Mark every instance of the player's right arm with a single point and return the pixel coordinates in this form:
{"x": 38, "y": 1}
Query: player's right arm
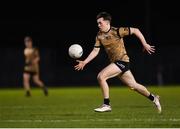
{"x": 91, "y": 56}
{"x": 25, "y": 52}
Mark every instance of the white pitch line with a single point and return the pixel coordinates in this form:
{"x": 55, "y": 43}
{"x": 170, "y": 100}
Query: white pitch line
{"x": 20, "y": 107}
{"x": 81, "y": 120}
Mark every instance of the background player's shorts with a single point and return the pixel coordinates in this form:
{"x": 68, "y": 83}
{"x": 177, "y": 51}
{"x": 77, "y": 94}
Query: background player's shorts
{"x": 124, "y": 66}
{"x": 30, "y": 69}
{"x": 32, "y": 73}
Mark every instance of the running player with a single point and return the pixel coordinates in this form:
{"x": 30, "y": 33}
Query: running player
{"x": 31, "y": 68}
{"x": 111, "y": 38}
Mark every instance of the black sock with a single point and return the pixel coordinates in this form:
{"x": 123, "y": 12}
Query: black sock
{"x": 28, "y": 93}
{"x": 151, "y": 97}
{"x": 45, "y": 89}
{"x": 106, "y": 101}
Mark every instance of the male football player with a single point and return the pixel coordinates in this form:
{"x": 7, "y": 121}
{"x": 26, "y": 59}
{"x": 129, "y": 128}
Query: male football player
{"x": 31, "y": 68}
{"x": 111, "y": 38}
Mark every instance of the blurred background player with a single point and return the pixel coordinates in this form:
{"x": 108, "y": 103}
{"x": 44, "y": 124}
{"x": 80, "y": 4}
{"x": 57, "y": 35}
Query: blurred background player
{"x": 111, "y": 39}
{"x": 31, "y": 68}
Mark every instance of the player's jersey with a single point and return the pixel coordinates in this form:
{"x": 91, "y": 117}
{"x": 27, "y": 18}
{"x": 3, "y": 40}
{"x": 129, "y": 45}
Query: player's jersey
{"x": 113, "y": 43}
{"x": 30, "y": 55}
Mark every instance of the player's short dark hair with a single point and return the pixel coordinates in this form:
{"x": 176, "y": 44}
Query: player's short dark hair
{"x": 104, "y": 15}
{"x": 27, "y": 39}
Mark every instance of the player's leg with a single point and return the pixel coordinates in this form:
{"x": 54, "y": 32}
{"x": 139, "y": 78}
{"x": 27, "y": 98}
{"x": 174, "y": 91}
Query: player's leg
{"x": 26, "y": 83}
{"x": 38, "y": 82}
{"x": 108, "y": 72}
{"x": 129, "y": 80}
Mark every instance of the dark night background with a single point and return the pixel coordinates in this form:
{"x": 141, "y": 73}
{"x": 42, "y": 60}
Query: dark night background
{"x": 55, "y": 26}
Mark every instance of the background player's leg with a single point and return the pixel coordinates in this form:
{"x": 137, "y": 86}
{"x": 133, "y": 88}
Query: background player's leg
{"x": 26, "y": 83}
{"x": 37, "y": 80}
{"x": 40, "y": 83}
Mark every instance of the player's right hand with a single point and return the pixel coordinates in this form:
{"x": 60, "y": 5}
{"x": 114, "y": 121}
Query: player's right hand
{"x": 80, "y": 65}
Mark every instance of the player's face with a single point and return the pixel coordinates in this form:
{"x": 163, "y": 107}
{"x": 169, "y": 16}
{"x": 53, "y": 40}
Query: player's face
{"x": 103, "y": 24}
{"x": 28, "y": 44}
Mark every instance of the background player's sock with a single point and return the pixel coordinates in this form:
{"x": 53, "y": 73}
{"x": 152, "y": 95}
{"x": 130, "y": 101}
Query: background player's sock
{"x": 45, "y": 89}
{"x": 106, "y": 101}
{"x": 151, "y": 97}
{"x": 28, "y": 93}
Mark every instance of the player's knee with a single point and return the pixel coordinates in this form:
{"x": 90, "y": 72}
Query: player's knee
{"x": 25, "y": 78}
{"x": 132, "y": 85}
{"x": 25, "y": 81}
{"x": 100, "y": 77}
{"x": 137, "y": 87}
{"x": 36, "y": 81}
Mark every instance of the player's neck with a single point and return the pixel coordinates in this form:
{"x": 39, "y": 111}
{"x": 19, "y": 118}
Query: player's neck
{"x": 29, "y": 47}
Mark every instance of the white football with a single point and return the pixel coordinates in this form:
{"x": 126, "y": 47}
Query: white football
{"x": 75, "y": 51}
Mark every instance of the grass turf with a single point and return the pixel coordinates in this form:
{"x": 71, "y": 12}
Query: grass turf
{"x": 73, "y": 107}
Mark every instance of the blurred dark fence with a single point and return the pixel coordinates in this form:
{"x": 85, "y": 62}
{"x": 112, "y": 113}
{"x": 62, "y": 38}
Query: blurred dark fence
{"x": 54, "y": 29}
{"x": 57, "y": 69}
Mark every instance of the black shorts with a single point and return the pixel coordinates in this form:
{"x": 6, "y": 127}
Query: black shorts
{"x": 123, "y": 66}
{"x": 31, "y": 73}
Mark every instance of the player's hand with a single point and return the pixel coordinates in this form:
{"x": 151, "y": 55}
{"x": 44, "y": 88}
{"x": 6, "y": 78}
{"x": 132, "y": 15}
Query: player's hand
{"x": 80, "y": 65}
{"x": 149, "y": 49}
{"x": 35, "y": 61}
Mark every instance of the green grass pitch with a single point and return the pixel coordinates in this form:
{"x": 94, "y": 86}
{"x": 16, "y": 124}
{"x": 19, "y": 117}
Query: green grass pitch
{"x": 73, "y": 107}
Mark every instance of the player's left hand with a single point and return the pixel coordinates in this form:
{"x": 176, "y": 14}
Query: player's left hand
{"x": 149, "y": 49}
{"x": 80, "y": 65}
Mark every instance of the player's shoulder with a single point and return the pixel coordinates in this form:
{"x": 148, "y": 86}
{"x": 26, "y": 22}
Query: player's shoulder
{"x": 114, "y": 28}
{"x": 98, "y": 35}
{"x": 35, "y": 48}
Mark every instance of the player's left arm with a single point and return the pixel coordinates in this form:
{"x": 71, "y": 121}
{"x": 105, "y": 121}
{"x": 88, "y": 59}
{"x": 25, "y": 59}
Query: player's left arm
{"x": 150, "y": 49}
